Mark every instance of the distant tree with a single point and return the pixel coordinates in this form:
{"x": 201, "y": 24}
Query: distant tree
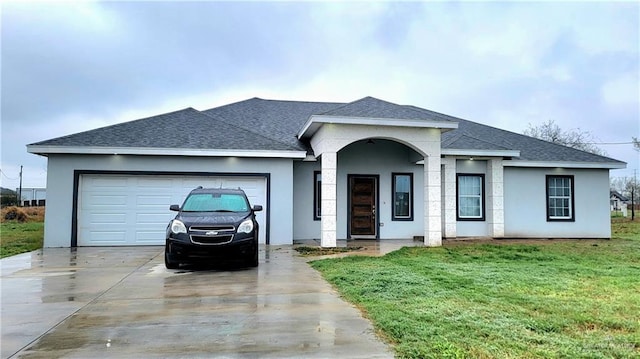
{"x": 628, "y": 187}
{"x": 636, "y": 143}
{"x": 575, "y": 138}
{"x": 8, "y": 199}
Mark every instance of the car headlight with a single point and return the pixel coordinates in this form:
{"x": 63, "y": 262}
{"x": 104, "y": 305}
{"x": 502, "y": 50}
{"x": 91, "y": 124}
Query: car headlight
{"x": 178, "y": 227}
{"x": 246, "y": 226}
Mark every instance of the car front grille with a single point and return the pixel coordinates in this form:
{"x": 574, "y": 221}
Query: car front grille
{"x": 211, "y": 235}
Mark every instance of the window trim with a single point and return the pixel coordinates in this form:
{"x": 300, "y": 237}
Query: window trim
{"x": 572, "y": 209}
{"x": 317, "y": 196}
{"x": 483, "y": 210}
{"x": 394, "y": 217}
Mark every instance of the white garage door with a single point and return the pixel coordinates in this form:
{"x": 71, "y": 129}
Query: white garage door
{"x": 131, "y": 210}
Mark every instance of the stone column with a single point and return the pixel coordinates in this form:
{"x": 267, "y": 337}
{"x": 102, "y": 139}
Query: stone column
{"x": 450, "y": 203}
{"x": 495, "y": 198}
{"x": 329, "y": 166}
{"x": 432, "y": 202}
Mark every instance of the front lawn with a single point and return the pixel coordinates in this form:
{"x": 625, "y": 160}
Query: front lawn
{"x": 24, "y": 235}
{"x": 550, "y": 299}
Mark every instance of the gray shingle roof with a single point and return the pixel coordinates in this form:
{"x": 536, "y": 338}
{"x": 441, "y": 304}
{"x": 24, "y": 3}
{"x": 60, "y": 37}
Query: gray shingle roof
{"x": 270, "y": 125}
{"x": 468, "y": 133}
{"x": 278, "y": 120}
{"x": 187, "y": 129}
{"x": 374, "y": 108}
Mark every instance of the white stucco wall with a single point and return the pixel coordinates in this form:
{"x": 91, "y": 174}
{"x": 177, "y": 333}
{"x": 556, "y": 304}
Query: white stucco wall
{"x": 525, "y": 204}
{"x": 60, "y": 171}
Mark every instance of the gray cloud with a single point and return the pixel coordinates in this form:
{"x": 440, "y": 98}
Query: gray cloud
{"x": 69, "y": 67}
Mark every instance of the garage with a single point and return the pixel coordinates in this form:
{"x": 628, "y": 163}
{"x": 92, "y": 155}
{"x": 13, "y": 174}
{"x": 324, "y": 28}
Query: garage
{"x": 133, "y": 209}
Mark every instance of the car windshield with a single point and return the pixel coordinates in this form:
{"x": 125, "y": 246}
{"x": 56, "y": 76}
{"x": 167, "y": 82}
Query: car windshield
{"x": 215, "y": 202}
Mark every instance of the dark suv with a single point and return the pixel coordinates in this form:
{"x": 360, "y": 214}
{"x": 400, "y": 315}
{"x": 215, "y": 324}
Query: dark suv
{"x": 213, "y": 223}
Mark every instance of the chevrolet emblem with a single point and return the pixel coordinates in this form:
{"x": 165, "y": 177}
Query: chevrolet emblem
{"x": 211, "y": 233}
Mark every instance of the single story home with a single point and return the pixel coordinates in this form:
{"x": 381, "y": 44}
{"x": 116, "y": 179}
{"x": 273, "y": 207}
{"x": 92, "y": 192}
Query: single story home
{"x": 618, "y": 201}
{"x": 364, "y": 169}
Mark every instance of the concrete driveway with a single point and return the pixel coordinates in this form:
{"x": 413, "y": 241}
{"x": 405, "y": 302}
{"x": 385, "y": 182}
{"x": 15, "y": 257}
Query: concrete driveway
{"x": 122, "y": 302}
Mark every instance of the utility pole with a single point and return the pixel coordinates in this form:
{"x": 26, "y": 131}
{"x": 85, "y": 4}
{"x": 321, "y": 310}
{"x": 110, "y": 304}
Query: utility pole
{"x": 20, "y": 190}
{"x": 633, "y": 192}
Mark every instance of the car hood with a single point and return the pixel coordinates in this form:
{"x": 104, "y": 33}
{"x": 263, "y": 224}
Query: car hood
{"x": 195, "y": 218}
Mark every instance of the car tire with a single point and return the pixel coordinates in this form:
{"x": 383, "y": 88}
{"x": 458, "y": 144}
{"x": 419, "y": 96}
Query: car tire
{"x": 169, "y": 262}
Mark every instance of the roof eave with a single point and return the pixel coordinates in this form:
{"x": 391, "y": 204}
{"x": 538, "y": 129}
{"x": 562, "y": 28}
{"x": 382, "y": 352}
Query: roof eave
{"x": 565, "y": 164}
{"x": 314, "y": 122}
{"x": 480, "y": 153}
{"x": 154, "y": 151}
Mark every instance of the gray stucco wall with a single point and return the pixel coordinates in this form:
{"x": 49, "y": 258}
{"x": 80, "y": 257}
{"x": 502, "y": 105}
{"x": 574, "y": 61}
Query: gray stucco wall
{"x": 60, "y": 171}
{"x": 381, "y": 158}
{"x": 473, "y": 228}
{"x": 304, "y": 227}
{"x": 525, "y": 204}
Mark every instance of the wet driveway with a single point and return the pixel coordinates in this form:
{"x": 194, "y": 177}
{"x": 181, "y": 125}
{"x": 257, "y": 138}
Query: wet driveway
{"x": 122, "y": 302}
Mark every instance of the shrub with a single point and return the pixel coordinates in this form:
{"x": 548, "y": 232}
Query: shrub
{"x": 15, "y": 214}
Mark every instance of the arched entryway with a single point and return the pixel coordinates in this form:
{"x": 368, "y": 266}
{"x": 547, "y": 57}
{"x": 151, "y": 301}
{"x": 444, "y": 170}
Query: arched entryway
{"x": 330, "y": 139}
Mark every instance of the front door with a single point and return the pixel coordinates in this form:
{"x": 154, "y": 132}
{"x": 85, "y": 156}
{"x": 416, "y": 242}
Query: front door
{"x": 362, "y": 206}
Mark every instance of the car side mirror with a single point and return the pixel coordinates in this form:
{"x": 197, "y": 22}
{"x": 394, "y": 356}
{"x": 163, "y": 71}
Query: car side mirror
{"x": 174, "y": 207}
{"x": 257, "y": 208}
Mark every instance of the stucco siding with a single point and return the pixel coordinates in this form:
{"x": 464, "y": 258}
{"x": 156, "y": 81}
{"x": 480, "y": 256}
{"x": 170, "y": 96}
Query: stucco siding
{"x": 525, "y": 204}
{"x": 381, "y": 158}
{"x": 304, "y": 226}
{"x": 473, "y": 228}
{"x": 60, "y": 179}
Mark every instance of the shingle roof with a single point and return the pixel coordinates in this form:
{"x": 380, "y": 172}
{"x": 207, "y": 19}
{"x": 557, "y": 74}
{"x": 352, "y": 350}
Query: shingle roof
{"x": 269, "y": 125}
{"x": 374, "y": 108}
{"x": 468, "y": 134}
{"x": 188, "y": 128}
{"x": 278, "y": 120}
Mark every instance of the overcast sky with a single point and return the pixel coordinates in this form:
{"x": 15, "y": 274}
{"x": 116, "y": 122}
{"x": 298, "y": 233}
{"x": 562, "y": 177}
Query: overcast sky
{"x": 70, "y": 67}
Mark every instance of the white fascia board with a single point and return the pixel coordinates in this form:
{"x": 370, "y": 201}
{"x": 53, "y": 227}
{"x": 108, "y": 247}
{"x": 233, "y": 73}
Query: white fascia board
{"x": 308, "y": 130}
{"x": 563, "y": 164}
{"x": 150, "y": 151}
{"x": 480, "y": 153}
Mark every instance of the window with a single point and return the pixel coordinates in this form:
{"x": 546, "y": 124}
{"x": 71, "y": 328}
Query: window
{"x": 560, "y": 198}
{"x": 317, "y": 195}
{"x": 470, "y": 197}
{"x": 402, "y": 196}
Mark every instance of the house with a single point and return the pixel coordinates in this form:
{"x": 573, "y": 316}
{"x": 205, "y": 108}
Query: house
{"x": 328, "y": 171}
{"x": 618, "y": 201}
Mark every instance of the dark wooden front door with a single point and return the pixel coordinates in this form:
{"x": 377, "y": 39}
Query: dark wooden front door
{"x": 362, "y": 196}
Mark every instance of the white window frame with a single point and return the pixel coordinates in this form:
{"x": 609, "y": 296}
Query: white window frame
{"x": 480, "y": 196}
{"x": 554, "y": 196}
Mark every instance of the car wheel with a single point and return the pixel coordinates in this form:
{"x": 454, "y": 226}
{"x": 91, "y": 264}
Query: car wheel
{"x": 169, "y": 262}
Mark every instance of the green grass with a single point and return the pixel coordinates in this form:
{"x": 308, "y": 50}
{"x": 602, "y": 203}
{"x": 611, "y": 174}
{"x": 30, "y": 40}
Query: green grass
{"x": 16, "y": 238}
{"x": 562, "y": 299}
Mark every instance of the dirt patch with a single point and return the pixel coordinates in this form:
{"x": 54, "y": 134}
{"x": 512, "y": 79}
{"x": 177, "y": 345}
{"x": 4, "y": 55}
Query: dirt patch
{"x": 497, "y": 242}
{"x": 319, "y": 251}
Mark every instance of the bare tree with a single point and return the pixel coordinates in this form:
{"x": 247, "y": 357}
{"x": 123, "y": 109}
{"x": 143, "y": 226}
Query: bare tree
{"x": 628, "y": 187}
{"x": 575, "y": 138}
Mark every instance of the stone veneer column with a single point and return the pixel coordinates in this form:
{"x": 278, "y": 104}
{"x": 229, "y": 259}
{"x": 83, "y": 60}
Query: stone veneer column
{"x": 432, "y": 202}
{"x": 329, "y": 165}
{"x": 450, "y": 204}
{"x": 495, "y": 198}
